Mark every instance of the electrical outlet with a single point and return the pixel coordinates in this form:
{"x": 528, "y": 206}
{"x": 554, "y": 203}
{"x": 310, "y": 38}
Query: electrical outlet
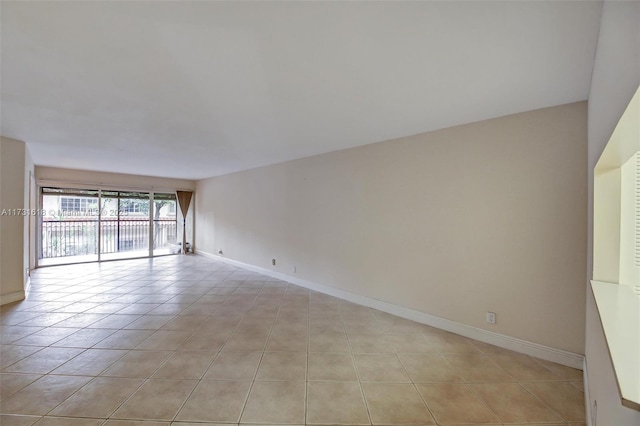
{"x": 220, "y": 252}
{"x": 273, "y": 262}
{"x": 293, "y": 269}
{"x": 491, "y": 317}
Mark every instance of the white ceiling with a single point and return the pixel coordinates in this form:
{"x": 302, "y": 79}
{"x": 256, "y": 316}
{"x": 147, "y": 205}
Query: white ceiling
{"x": 197, "y": 89}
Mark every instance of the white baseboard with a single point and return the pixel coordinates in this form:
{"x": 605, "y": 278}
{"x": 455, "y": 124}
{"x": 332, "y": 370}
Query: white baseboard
{"x": 587, "y": 396}
{"x": 512, "y": 343}
{"x": 12, "y": 297}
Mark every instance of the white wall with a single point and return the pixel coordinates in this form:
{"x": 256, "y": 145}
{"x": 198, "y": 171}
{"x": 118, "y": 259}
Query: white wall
{"x": 616, "y": 76}
{"x": 28, "y": 241}
{"x": 84, "y": 177}
{"x": 15, "y": 247}
{"x": 453, "y": 223}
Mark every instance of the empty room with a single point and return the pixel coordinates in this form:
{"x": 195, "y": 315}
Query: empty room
{"x": 320, "y": 213}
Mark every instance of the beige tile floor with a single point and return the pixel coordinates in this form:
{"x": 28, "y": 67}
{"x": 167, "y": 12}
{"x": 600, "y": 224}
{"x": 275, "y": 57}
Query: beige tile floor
{"x": 186, "y": 340}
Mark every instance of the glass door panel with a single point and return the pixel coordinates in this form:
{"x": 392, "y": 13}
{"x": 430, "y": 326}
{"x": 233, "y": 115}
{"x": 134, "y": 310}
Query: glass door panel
{"x": 124, "y": 225}
{"x": 164, "y": 224}
{"x": 69, "y": 226}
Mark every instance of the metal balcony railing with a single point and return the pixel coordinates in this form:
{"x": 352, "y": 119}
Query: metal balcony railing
{"x": 80, "y": 237}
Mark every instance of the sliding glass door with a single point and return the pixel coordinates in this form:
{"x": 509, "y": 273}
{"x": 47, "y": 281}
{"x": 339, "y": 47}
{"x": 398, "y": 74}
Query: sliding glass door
{"x": 124, "y": 225}
{"x": 84, "y": 225}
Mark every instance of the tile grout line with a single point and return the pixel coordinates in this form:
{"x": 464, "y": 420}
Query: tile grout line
{"x": 469, "y": 383}
{"x": 415, "y": 387}
{"x": 161, "y": 365}
{"x": 214, "y": 358}
{"x": 355, "y": 368}
{"x": 542, "y": 401}
{"x": 198, "y": 381}
{"x": 255, "y": 374}
{"x": 144, "y": 381}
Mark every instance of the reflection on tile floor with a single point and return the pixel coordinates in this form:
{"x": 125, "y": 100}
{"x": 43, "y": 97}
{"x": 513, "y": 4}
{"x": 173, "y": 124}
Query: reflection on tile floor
{"x": 188, "y": 340}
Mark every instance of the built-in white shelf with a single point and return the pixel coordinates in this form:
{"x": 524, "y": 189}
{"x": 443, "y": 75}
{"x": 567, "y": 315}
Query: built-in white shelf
{"x": 619, "y": 308}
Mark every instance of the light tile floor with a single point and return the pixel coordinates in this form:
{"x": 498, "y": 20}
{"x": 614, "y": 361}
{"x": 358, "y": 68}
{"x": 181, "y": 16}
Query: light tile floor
{"x": 186, "y": 340}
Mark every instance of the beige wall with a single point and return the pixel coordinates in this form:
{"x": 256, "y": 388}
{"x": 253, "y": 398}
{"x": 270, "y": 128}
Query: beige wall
{"x": 15, "y": 166}
{"x": 453, "y": 223}
{"x": 616, "y": 76}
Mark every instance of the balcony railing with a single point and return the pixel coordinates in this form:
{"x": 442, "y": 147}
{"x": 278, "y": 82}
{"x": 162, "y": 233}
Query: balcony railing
{"x": 80, "y": 237}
